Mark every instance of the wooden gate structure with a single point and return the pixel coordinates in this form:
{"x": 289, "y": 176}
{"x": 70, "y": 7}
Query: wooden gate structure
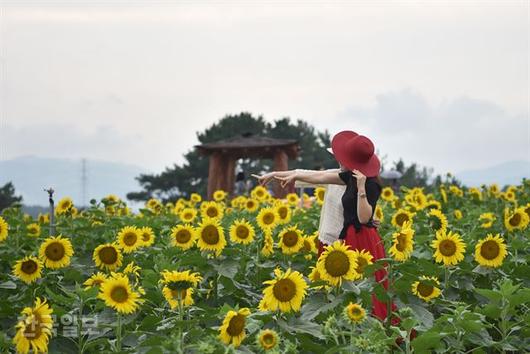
{"x": 224, "y": 154}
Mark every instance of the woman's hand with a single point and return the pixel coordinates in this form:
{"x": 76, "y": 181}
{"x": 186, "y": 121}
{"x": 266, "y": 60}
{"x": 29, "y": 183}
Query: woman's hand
{"x": 266, "y": 178}
{"x": 361, "y": 179}
{"x": 284, "y": 181}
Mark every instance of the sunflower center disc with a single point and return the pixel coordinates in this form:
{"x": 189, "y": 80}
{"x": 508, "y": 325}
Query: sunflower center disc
{"x": 447, "y": 248}
{"x": 55, "y": 251}
{"x": 188, "y": 216}
{"x": 337, "y": 263}
{"x": 402, "y": 242}
{"x": 490, "y": 250}
{"x": 146, "y": 236}
{"x": 236, "y": 325}
{"x": 290, "y": 238}
{"x": 108, "y": 255}
{"x": 183, "y": 236}
{"x": 515, "y": 220}
{"x": 425, "y": 289}
{"x": 130, "y": 238}
{"x": 284, "y": 290}
{"x": 268, "y": 219}
{"x": 242, "y": 231}
{"x": 210, "y": 235}
{"x": 29, "y": 267}
{"x": 361, "y": 263}
{"x": 436, "y": 223}
{"x": 33, "y": 330}
{"x": 212, "y": 212}
{"x": 283, "y": 212}
{"x": 119, "y": 294}
{"x": 401, "y": 218}
{"x": 268, "y": 339}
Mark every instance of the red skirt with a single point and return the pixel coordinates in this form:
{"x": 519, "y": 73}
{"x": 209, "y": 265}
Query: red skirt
{"x": 368, "y": 239}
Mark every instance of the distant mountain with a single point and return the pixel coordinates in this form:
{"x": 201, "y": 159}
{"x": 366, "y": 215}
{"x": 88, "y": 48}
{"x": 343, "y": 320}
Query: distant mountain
{"x": 31, "y": 175}
{"x": 511, "y": 172}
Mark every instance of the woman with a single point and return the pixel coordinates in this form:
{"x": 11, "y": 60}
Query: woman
{"x": 360, "y": 170}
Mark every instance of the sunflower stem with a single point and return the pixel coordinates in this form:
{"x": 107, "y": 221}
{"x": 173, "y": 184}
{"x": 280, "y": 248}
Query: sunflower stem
{"x": 80, "y": 326}
{"x": 446, "y": 279}
{"x": 118, "y": 333}
{"x": 181, "y": 332}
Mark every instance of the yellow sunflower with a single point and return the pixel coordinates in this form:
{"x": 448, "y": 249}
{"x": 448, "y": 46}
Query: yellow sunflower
{"x": 195, "y": 198}
{"x": 437, "y": 220}
{"x": 219, "y": 195}
{"x": 211, "y": 236}
{"x": 433, "y": 204}
{"x": 443, "y": 194}
{"x": 64, "y": 206}
{"x": 516, "y": 219}
{"x": 378, "y": 214}
{"x": 509, "y": 196}
{"x": 267, "y": 218}
{"x": 400, "y": 216}
{"x": 232, "y": 331}
{"x": 387, "y": 194}
{"x": 211, "y": 210}
{"x": 107, "y": 256}
{"x": 4, "y": 229}
{"x": 147, "y": 236}
{"x": 129, "y": 239}
{"x": 117, "y": 293}
{"x": 267, "y": 339}
{"x": 34, "y": 329}
{"x": 310, "y": 244}
{"x": 251, "y": 205}
{"x": 32, "y": 229}
{"x": 291, "y": 240}
{"x": 28, "y": 269}
{"x": 314, "y": 276}
{"x": 56, "y": 252}
{"x": 292, "y": 199}
{"x": 320, "y": 192}
{"x": 494, "y": 190}
{"x": 284, "y": 213}
{"x": 260, "y": 193}
{"x": 179, "y": 287}
{"x": 183, "y": 236}
{"x": 455, "y": 190}
{"x": 355, "y": 313}
{"x": 449, "y": 248}
{"x": 488, "y": 219}
{"x": 491, "y": 251}
{"x": 95, "y": 280}
{"x": 187, "y": 215}
{"x": 268, "y": 244}
{"x": 426, "y": 288}
{"x": 526, "y": 209}
{"x": 241, "y": 231}
{"x": 44, "y": 218}
{"x": 458, "y": 214}
{"x": 337, "y": 263}
{"x": 286, "y": 292}
{"x": 111, "y": 199}
{"x": 475, "y": 193}
{"x": 154, "y": 205}
{"x": 362, "y": 258}
{"x": 403, "y": 242}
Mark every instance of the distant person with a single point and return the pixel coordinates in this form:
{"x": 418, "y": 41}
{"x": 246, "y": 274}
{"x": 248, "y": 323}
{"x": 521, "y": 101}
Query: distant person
{"x": 240, "y": 186}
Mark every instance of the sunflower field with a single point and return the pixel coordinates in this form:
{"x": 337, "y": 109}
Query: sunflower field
{"x": 242, "y": 275}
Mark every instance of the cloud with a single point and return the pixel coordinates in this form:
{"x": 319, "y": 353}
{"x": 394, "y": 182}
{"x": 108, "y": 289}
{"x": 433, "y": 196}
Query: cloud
{"x": 70, "y": 141}
{"x": 455, "y": 134}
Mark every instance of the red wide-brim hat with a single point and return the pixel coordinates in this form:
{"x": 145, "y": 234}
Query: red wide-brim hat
{"x": 356, "y": 152}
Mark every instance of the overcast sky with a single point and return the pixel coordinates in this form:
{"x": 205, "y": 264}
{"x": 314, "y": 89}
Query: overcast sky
{"x": 444, "y": 84}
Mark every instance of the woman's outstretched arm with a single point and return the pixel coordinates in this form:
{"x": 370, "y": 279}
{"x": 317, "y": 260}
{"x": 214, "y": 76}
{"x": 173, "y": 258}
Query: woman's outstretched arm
{"x": 310, "y": 176}
{"x": 302, "y": 175}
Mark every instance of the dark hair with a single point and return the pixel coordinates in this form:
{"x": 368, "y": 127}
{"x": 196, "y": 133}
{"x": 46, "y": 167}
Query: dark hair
{"x": 240, "y": 176}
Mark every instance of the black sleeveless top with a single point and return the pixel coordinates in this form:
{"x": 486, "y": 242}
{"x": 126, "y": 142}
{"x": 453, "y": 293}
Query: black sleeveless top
{"x": 349, "y": 200}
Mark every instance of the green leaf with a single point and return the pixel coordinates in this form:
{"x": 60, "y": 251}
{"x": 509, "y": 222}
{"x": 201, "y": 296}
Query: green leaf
{"x": 425, "y": 341}
{"x": 8, "y": 285}
{"x": 492, "y": 295}
{"x": 228, "y": 268}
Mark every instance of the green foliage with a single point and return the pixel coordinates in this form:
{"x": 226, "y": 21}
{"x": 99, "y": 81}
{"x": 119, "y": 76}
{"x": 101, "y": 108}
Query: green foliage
{"x": 7, "y": 196}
